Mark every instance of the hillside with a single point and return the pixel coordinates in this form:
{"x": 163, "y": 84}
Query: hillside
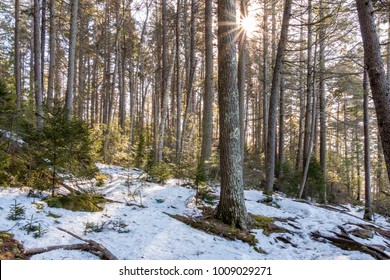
{"x": 137, "y": 223}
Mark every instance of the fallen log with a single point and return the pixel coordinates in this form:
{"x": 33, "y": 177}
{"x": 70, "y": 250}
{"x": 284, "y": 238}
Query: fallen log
{"x": 383, "y": 232}
{"x": 345, "y": 242}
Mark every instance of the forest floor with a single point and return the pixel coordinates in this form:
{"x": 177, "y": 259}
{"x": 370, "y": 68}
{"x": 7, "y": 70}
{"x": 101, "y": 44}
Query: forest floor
{"x": 138, "y": 223}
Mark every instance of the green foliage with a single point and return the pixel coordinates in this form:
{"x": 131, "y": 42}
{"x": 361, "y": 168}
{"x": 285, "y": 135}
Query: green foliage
{"x": 7, "y": 105}
{"x": 290, "y": 180}
{"x": 5, "y": 177}
{"x": 33, "y": 226}
{"x": 16, "y": 212}
{"x": 315, "y": 181}
{"x": 94, "y": 227}
{"x": 161, "y": 173}
{"x": 55, "y": 216}
{"x": 140, "y": 152}
{"x": 100, "y": 178}
{"x": 120, "y": 226}
{"x": 201, "y": 175}
{"x": 61, "y": 146}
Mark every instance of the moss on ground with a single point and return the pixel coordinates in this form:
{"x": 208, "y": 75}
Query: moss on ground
{"x": 267, "y": 224}
{"x": 10, "y": 249}
{"x": 77, "y": 203}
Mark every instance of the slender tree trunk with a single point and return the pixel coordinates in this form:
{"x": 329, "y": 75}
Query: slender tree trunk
{"x": 207, "y": 130}
{"x": 43, "y": 42}
{"x": 188, "y": 121}
{"x": 378, "y": 80}
{"x": 178, "y": 83}
{"x": 37, "y": 64}
{"x": 282, "y": 111}
{"x": 231, "y": 208}
{"x": 309, "y": 92}
{"x": 274, "y": 99}
{"x": 71, "y": 60}
{"x": 265, "y": 77}
{"x": 241, "y": 77}
{"x": 164, "y": 80}
{"x": 367, "y": 171}
{"x": 52, "y": 56}
{"x": 18, "y": 77}
{"x": 299, "y": 161}
{"x": 322, "y": 102}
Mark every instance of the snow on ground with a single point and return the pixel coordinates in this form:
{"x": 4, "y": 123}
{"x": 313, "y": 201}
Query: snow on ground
{"x": 149, "y": 233}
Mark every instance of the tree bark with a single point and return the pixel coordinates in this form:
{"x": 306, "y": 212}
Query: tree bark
{"x": 43, "y": 42}
{"x": 322, "y": 101}
{"x": 178, "y": 84}
{"x": 274, "y": 100}
{"x": 37, "y": 64}
{"x": 282, "y": 112}
{"x": 52, "y": 56}
{"x": 18, "y": 77}
{"x": 265, "y": 77}
{"x": 241, "y": 77}
{"x": 71, "y": 59}
{"x": 309, "y": 91}
{"x": 367, "y": 171}
{"x": 376, "y": 72}
{"x": 231, "y": 208}
{"x": 207, "y": 130}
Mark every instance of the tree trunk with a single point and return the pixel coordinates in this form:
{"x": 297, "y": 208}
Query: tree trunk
{"x": 71, "y": 60}
{"x": 322, "y": 102}
{"x": 188, "y": 121}
{"x": 52, "y": 56}
{"x": 299, "y": 161}
{"x": 43, "y": 41}
{"x": 241, "y": 77}
{"x": 178, "y": 84}
{"x": 378, "y": 80}
{"x": 207, "y": 129}
{"x": 282, "y": 111}
{"x": 274, "y": 100}
{"x": 231, "y": 208}
{"x": 309, "y": 92}
{"x": 265, "y": 77}
{"x": 37, "y": 64}
{"x": 367, "y": 171}
{"x": 18, "y": 77}
{"x": 164, "y": 78}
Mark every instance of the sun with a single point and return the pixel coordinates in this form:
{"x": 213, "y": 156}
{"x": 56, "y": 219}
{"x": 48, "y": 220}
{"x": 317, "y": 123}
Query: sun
{"x": 248, "y": 24}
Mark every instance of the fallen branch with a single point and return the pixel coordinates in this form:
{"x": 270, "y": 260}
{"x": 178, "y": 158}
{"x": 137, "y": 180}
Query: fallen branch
{"x": 80, "y": 246}
{"x": 89, "y": 246}
{"x": 105, "y": 253}
{"x": 343, "y": 241}
{"x": 384, "y": 233}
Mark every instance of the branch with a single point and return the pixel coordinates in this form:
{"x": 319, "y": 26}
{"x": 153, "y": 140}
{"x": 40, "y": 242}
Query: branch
{"x": 96, "y": 246}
